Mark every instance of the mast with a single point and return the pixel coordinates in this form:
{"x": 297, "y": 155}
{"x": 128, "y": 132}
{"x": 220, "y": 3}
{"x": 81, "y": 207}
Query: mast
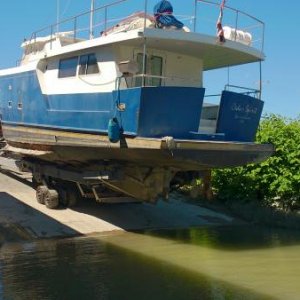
{"x": 92, "y": 19}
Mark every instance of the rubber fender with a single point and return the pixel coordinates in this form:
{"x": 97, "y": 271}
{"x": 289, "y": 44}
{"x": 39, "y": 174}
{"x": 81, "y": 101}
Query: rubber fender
{"x": 114, "y": 131}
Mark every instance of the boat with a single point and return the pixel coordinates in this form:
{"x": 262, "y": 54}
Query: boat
{"x": 125, "y": 101}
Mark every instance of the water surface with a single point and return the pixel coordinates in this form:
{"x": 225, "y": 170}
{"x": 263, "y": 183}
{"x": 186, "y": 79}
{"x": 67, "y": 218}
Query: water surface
{"x": 199, "y": 263}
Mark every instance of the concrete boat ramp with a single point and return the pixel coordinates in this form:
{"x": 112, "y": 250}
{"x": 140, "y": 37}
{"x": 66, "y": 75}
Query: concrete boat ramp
{"x": 20, "y": 212}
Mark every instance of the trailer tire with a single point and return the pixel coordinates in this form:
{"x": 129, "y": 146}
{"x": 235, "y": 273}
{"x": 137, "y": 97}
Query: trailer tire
{"x": 63, "y": 196}
{"x": 68, "y": 195}
{"x": 72, "y": 197}
{"x": 41, "y": 192}
{"x": 51, "y": 199}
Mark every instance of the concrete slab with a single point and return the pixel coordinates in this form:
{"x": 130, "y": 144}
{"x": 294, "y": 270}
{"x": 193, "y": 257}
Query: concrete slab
{"x": 18, "y": 206}
{"x": 9, "y": 165}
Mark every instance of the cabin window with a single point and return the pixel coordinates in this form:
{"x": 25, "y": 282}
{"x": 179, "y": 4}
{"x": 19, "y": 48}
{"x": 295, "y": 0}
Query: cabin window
{"x": 68, "y": 67}
{"x": 154, "y": 67}
{"x": 88, "y": 64}
{"x": 139, "y": 60}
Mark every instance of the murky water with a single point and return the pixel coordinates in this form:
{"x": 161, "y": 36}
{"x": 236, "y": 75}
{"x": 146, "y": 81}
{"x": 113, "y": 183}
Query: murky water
{"x": 212, "y": 263}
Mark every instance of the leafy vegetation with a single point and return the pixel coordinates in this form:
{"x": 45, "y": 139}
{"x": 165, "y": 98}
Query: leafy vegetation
{"x": 276, "y": 181}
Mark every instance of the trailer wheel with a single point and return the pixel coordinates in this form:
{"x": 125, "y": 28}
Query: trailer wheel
{"x": 68, "y": 196}
{"x": 41, "y": 192}
{"x": 35, "y": 184}
{"x": 72, "y": 197}
{"x": 51, "y": 199}
{"x": 63, "y": 196}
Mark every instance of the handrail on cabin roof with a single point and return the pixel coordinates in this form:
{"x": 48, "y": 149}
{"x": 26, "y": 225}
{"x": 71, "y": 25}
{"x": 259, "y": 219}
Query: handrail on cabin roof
{"x": 53, "y": 29}
{"x": 233, "y": 9}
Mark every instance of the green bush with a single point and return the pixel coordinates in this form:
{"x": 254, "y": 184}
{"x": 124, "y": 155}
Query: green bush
{"x": 274, "y": 181}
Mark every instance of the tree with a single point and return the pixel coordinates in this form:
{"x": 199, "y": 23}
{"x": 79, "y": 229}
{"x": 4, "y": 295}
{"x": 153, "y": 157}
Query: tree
{"x": 276, "y": 180}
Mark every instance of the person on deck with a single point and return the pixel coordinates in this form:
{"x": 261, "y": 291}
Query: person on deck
{"x": 163, "y": 13}
{"x": 220, "y": 31}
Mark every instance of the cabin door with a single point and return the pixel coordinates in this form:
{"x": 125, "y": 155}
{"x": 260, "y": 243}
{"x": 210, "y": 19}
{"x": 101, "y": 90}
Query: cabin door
{"x": 154, "y": 69}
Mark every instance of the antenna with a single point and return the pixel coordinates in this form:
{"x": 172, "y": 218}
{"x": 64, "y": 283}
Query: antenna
{"x": 92, "y": 19}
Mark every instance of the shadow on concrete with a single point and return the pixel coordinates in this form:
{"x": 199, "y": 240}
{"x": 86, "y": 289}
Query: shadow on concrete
{"x": 142, "y": 216}
{"x": 25, "y": 222}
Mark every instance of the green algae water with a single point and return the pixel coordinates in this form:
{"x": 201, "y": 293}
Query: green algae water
{"x": 200, "y": 263}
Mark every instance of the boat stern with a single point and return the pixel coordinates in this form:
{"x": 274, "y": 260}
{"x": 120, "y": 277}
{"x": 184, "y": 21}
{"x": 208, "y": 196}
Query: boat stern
{"x": 156, "y": 112}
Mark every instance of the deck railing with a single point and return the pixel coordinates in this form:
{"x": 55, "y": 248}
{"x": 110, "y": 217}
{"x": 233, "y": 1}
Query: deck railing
{"x": 199, "y": 15}
{"x": 243, "y": 90}
{"x": 155, "y": 80}
{"x": 206, "y": 14}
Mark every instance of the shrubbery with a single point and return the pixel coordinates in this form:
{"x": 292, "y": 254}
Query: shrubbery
{"x": 275, "y": 181}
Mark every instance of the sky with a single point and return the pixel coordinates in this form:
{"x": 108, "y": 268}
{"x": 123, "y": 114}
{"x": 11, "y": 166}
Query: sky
{"x": 280, "y": 70}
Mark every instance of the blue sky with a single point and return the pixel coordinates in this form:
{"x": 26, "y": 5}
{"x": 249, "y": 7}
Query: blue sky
{"x": 281, "y": 78}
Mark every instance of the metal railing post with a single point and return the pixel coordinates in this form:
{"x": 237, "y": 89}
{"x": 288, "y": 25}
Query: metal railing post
{"x": 57, "y": 16}
{"x": 236, "y": 24}
{"x": 75, "y": 29}
{"x": 105, "y": 19}
{"x": 195, "y": 15}
{"x": 260, "y": 79}
{"x": 145, "y": 13}
{"x": 263, "y": 39}
{"x": 145, "y": 46}
{"x": 144, "y": 62}
{"x": 34, "y": 47}
{"x": 92, "y": 19}
{"x": 51, "y": 38}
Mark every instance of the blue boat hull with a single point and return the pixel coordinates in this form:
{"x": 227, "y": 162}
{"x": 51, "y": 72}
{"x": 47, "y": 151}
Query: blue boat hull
{"x": 150, "y": 111}
{"x": 147, "y": 111}
{"x": 74, "y": 127}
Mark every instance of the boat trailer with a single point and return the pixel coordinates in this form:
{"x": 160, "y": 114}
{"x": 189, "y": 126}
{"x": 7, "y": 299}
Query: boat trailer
{"x": 105, "y": 181}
